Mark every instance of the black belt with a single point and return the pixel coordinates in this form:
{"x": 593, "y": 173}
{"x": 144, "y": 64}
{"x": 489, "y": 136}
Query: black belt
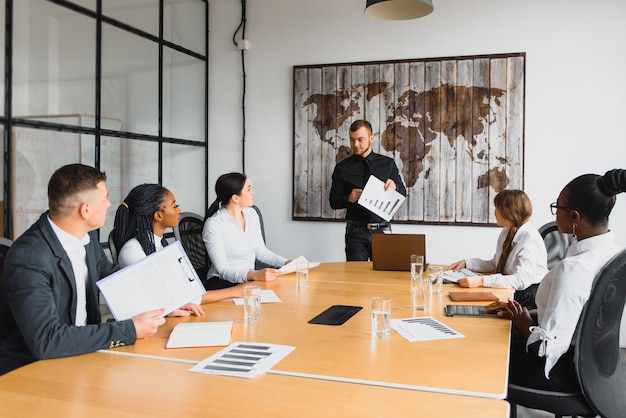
{"x": 371, "y": 226}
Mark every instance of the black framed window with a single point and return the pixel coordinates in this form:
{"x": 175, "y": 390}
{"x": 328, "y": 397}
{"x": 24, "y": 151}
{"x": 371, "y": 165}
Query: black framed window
{"x": 117, "y": 84}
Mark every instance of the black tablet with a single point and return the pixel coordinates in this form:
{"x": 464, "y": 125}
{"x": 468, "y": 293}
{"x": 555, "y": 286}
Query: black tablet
{"x": 469, "y": 310}
{"x": 336, "y": 315}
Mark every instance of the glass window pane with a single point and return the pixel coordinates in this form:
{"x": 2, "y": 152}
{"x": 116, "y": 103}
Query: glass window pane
{"x": 184, "y": 23}
{"x": 87, "y": 4}
{"x": 53, "y": 68}
{"x": 187, "y": 185}
{"x": 141, "y": 14}
{"x": 37, "y": 154}
{"x": 130, "y": 82}
{"x": 183, "y": 96}
{"x": 2, "y": 38}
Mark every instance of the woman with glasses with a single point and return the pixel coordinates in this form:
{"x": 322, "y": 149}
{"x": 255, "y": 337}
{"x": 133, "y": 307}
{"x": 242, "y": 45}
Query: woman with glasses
{"x": 541, "y": 350}
{"x": 520, "y": 260}
{"x": 140, "y": 223}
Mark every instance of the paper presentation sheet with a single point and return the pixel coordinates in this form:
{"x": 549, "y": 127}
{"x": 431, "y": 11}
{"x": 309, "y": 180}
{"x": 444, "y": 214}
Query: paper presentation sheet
{"x": 423, "y": 328}
{"x": 383, "y": 203}
{"x": 243, "y": 359}
{"x": 164, "y": 279}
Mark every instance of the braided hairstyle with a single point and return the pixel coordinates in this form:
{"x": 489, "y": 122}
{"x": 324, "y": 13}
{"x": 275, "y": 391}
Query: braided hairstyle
{"x": 226, "y": 186}
{"x": 514, "y": 206}
{"x": 134, "y": 216}
{"x": 593, "y": 196}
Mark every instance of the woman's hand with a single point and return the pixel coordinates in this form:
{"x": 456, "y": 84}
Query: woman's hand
{"x": 188, "y": 310}
{"x": 471, "y": 281}
{"x": 519, "y": 316}
{"x": 265, "y": 275}
{"x": 457, "y": 266}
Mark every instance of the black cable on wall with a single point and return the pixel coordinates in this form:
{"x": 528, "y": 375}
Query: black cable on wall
{"x": 242, "y": 28}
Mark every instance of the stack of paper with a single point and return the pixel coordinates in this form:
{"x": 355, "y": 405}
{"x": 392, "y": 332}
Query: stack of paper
{"x": 423, "y": 328}
{"x": 291, "y": 266}
{"x": 200, "y": 334}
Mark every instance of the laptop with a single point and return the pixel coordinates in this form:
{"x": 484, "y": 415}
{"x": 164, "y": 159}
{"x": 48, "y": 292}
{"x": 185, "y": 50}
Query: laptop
{"x": 393, "y": 251}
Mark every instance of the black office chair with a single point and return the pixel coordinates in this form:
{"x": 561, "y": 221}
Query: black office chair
{"x": 600, "y": 364}
{"x": 5, "y": 244}
{"x": 112, "y": 247}
{"x": 259, "y": 265}
{"x": 189, "y": 233}
{"x": 556, "y": 242}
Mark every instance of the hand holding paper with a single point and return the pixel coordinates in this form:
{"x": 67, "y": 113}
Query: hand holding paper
{"x": 291, "y": 266}
{"x": 384, "y": 203}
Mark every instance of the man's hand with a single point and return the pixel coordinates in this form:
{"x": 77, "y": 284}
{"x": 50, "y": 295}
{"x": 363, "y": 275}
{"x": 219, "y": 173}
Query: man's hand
{"x": 390, "y": 185}
{"x": 470, "y": 281}
{"x": 147, "y": 323}
{"x": 354, "y": 196}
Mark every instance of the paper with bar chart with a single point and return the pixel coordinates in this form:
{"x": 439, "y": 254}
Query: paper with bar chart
{"x": 383, "y": 203}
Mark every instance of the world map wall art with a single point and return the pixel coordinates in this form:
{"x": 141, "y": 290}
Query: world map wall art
{"x": 454, "y": 126}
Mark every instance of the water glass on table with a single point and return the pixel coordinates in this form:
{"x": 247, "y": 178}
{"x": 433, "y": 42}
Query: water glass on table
{"x": 420, "y": 293}
{"x": 417, "y": 266}
{"x": 436, "y": 278}
{"x": 381, "y": 317}
{"x": 252, "y": 303}
{"x": 302, "y": 274}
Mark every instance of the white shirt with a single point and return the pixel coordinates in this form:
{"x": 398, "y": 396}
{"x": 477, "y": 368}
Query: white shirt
{"x": 233, "y": 251}
{"x": 132, "y": 252}
{"x": 563, "y": 293}
{"x": 75, "y": 250}
{"x": 526, "y": 264}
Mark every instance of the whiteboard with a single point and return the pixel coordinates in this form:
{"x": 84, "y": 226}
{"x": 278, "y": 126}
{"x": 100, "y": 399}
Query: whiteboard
{"x": 37, "y": 153}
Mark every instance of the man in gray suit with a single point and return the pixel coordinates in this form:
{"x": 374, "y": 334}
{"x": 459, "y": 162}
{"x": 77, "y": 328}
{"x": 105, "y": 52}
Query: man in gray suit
{"x": 48, "y": 295}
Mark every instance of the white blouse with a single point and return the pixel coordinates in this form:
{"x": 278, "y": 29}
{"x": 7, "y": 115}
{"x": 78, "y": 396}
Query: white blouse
{"x": 132, "y": 252}
{"x": 526, "y": 265}
{"x": 232, "y": 250}
{"x": 563, "y": 293}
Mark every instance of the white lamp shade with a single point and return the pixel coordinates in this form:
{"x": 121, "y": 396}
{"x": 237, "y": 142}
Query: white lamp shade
{"x": 398, "y": 9}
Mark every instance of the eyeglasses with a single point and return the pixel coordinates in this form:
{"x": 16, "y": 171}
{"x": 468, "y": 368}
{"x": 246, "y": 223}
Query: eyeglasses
{"x": 554, "y": 207}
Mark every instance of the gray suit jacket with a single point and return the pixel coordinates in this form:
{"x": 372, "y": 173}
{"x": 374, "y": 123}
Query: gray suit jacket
{"x": 38, "y": 301}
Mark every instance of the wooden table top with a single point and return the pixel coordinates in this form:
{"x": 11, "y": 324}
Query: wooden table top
{"x": 476, "y": 365}
{"x": 103, "y": 385}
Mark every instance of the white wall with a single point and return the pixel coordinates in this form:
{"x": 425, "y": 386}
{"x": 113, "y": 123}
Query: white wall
{"x": 575, "y": 97}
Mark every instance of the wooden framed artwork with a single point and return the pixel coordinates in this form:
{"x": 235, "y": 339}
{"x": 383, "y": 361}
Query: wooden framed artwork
{"x": 454, "y": 126}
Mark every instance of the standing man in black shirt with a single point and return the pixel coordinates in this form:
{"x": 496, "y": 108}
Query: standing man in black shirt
{"x": 349, "y": 179}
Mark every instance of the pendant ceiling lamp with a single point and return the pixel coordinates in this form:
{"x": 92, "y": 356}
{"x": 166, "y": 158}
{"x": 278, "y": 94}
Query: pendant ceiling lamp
{"x": 398, "y": 9}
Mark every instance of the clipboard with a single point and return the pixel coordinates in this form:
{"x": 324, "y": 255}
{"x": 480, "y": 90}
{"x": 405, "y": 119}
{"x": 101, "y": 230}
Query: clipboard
{"x": 164, "y": 279}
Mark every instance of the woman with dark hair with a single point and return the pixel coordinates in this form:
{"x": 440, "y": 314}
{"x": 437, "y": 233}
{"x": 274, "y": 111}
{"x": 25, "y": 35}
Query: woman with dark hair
{"x": 232, "y": 235}
{"x": 542, "y": 348}
{"x": 140, "y": 223}
{"x": 520, "y": 260}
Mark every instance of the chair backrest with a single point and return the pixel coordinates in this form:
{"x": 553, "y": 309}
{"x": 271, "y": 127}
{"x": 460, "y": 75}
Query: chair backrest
{"x": 112, "y": 247}
{"x": 5, "y": 244}
{"x": 189, "y": 233}
{"x": 258, "y": 211}
{"x": 599, "y": 363}
{"x": 556, "y": 242}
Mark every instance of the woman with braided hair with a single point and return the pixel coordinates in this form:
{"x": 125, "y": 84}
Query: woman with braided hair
{"x": 521, "y": 258}
{"x": 542, "y": 348}
{"x": 140, "y": 222}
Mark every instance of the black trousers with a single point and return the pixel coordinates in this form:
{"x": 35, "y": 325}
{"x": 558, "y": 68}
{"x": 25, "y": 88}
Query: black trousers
{"x": 215, "y": 283}
{"x": 359, "y": 240}
{"x": 527, "y": 369}
{"x": 526, "y": 297}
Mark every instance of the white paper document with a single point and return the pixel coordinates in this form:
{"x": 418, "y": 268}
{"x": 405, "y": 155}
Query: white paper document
{"x": 200, "y": 334}
{"x": 291, "y": 266}
{"x": 267, "y": 296}
{"x": 383, "y": 203}
{"x": 423, "y": 328}
{"x": 243, "y": 359}
{"x": 164, "y": 279}
{"x": 454, "y": 276}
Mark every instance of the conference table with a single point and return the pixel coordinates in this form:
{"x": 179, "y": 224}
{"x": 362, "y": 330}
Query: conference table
{"x": 333, "y": 370}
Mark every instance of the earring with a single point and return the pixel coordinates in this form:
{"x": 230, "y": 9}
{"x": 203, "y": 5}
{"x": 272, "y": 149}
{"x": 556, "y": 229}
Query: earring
{"x": 574, "y": 230}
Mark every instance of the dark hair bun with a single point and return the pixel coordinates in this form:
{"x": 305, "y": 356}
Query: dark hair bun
{"x": 613, "y": 182}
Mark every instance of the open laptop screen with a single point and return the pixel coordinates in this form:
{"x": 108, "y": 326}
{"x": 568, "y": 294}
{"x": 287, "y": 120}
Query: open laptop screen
{"x": 392, "y": 251}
